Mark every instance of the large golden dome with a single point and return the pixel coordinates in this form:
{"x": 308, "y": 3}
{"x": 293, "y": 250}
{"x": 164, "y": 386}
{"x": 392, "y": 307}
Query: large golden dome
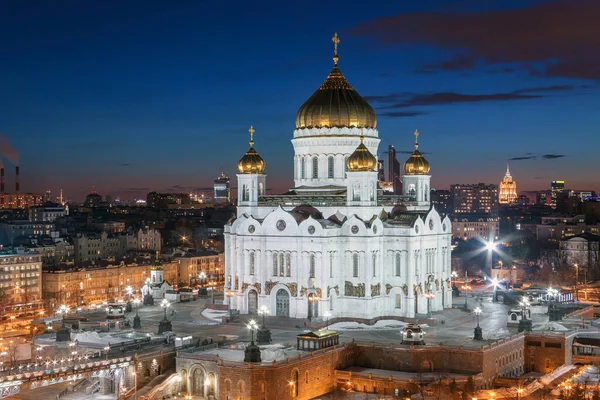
{"x": 251, "y": 162}
{"x": 362, "y": 159}
{"x": 416, "y": 163}
{"x": 336, "y": 104}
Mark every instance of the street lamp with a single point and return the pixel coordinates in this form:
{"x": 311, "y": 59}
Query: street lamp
{"x": 263, "y": 311}
{"x": 165, "y": 304}
{"x": 327, "y": 315}
{"x": 453, "y": 276}
{"x": 429, "y": 296}
{"x": 519, "y": 393}
{"x": 576, "y": 281}
{"x": 252, "y": 326}
{"x": 202, "y": 277}
{"x": 478, "y": 334}
{"x": 229, "y": 295}
{"x": 106, "y": 351}
{"x": 524, "y": 324}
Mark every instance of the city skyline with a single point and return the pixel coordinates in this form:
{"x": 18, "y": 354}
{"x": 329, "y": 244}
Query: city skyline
{"x": 174, "y": 110}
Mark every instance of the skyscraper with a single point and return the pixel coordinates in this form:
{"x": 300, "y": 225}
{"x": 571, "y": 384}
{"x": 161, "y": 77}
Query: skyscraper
{"x": 555, "y": 188}
{"x": 222, "y": 192}
{"x": 508, "y": 188}
{"x": 394, "y": 170}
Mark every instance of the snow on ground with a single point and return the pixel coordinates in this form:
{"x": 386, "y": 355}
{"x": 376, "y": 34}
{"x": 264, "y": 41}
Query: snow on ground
{"x": 550, "y": 326}
{"x": 384, "y": 324}
{"x": 214, "y": 315}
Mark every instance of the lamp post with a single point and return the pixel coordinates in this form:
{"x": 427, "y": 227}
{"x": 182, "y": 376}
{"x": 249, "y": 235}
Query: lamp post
{"x": 466, "y": 289}
{"x": 165, "y": 325}
{"x": 252, "y": 351}
{"x": 576, "y": 281}
{"x": 106, "y": 351}
{"x": 429, "y": 296}
{"x": 327, "y": 315}
{"x": 202, "y": 292}
{"x": 129, "y": 291}
{"x": 491, "y": 247}
{"x": 525, "y": 324}
{"x": 263, "y": 334}
{"x": 137, "y": 323}
{"x": 453, "y": 277}
{"x": 478, "y": 334}
{"x": 229, "y": 295}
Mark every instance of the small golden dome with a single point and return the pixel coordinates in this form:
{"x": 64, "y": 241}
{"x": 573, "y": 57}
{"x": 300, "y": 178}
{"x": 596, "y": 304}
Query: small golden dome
{"x": 157, "y": 266}
{"x": 252, "y": 162}
{"x": 336, "y": 104}
{"x": 362, "y": 159}
{"x": 416, "y": 163}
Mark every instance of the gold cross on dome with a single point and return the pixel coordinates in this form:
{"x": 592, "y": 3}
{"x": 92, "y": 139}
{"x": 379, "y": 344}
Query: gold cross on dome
{"x": 251, "y": 130}
{"x": 416, "y": 138}
{"x": 336, "y": 40}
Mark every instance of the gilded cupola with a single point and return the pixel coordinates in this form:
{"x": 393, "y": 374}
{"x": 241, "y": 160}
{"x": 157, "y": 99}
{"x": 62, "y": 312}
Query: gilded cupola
{"x": 336, "y": 103}
{"x": 416, "y": 163}
{"x": 362, "y": 159}
{"x": 252, "y": 162}
{"x": 157, "y": 266}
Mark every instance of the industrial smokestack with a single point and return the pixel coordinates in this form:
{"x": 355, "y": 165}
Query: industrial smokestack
{"x": 17, "y": 183}
{"x": 2, "y": 179}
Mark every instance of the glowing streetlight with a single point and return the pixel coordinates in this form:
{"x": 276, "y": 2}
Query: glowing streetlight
{"x": 478, "y": 331}
{"x": 202, "y": 277}
{"x": 429, "y": 296}
{"x": 165, "y": 304}
{"x": 252, "y": 326}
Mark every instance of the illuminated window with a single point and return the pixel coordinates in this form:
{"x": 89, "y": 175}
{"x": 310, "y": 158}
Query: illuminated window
{"x": 398, "y": 300}
{"x": 398, "y": 264}
{"x": 274, "y": 264}
{"x": 288, "y": 265}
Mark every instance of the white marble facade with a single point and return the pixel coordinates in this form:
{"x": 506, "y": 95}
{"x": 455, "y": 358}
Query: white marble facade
{"x": 335, "y": 244}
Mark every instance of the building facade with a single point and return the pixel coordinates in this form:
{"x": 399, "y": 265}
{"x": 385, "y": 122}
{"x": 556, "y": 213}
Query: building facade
{"x": 222, "y": 192}
{"x": 335, "y": 243}
{"x": 582, "y": 251}
{"x": 192, "y": 264}
{"x": 46, "y": 212}
{"x": 20, "y": 280}
{"x": 478, "y": 198}
{"x": 97, "y": 246}
{"x": 467, "y": 227}
{"x": 508, "y": 188}
{"x": 556, "y": 187}
{"x": 90, "y": 286}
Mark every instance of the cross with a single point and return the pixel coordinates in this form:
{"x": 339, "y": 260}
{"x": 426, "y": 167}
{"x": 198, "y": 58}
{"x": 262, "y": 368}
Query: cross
{"x": 416, "y": 138}
{"x": 251, "y": 130}
{"x": 336, "y": 40}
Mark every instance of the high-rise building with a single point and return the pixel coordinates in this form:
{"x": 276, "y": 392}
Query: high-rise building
{"x": 555, "y": 188}
{"x": 541, "y": 198}
{"x": 222, "y": 193}
{"x": 380, "y": 171}
{"x": 441, "y": 200}
{"x": 508, "y": 188}
{"x": 478, "y": 198}
{"x": 394, "y": 170}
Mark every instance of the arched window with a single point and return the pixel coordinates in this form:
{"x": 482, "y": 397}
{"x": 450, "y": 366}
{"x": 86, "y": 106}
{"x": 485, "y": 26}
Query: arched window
{"x": 330, "y": 167}
{"x": 311, "y": 272}
{"x": 303, "y": 168}
{"x": 315, "y": 167}
{"x": 355, "y": 265}
{"x": 274, "y": 264}
{"x": 281, "y": 264}
{"x": 346, "y": 164}
{"x": 244, "y": 193}
{"x": 398, "y": 300}
{"x": 251, "y": 263}
{"x": 398, "y": 264}
{"x": 288, "y": 265}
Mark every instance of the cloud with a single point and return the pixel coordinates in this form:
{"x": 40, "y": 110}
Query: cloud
{"x": 522, "y": 158}
{"x": 557, "y": 38}
{"x": 405, "y": 100}
{"x": 553, "y": 156}
{"x": 400, "y": 114}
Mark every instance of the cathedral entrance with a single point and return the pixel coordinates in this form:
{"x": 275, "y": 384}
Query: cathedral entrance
{"x": 282, "y": 302}
{"x": 197, "y": 383}
{"x": 252, "y": 301}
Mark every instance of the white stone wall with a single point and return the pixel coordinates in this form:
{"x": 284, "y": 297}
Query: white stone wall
{"x": 424, "y": 254}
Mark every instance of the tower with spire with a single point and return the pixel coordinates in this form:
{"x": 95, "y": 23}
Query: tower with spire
{"x": 507, "y": 193}
{"x": 252, "y": 180}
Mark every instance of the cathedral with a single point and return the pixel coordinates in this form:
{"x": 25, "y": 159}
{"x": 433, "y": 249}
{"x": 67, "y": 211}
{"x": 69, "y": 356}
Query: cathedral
{"x": 336, "y": 244}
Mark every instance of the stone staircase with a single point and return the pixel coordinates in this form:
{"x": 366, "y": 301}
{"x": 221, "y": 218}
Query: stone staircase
{"x": 84, "y": 389}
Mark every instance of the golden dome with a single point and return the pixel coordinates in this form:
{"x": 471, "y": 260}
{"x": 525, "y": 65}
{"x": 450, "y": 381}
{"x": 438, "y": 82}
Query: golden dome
{"x": 157, "y": 266}
{"x": 252, "y": 162}
{"x": 336, "y": 104}
{"x": 361, "y": 159}
{"x": 416, "y": 163}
